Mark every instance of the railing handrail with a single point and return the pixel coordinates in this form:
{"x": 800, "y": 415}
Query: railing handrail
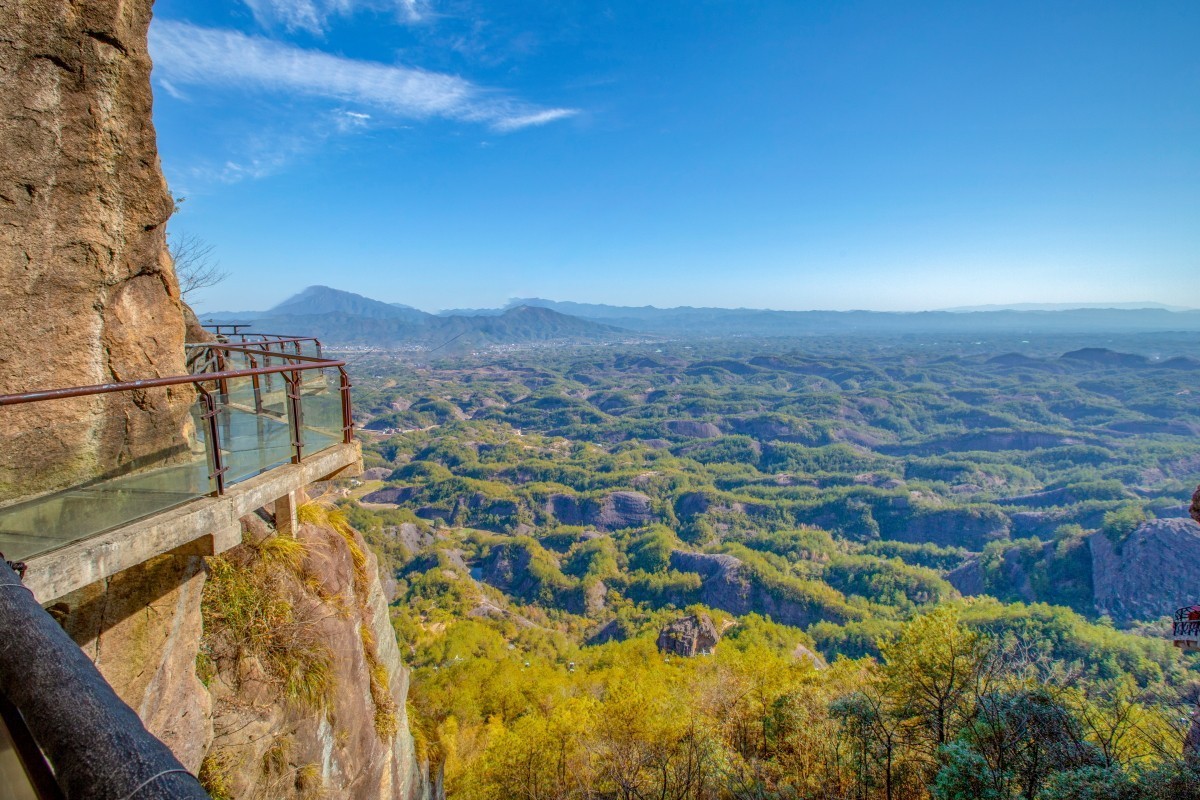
{"x": 273, "y": 338}
{"x": 1183, "y": 614}
{"x": 291, "y": 372}
{"x": 242, "y": 348}
{"x": 174, "y": 380}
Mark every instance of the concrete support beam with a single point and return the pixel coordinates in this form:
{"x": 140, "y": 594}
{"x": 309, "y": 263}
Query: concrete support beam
{"x": 207, "y": 526}
{"x": 286, "y": 521}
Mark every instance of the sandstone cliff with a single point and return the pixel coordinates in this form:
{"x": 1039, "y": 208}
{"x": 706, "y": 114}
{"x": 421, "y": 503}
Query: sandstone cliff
{"x": 272, "y": 671}
{"x": 87, "y": 293}
{"x": 1150, "y": 574}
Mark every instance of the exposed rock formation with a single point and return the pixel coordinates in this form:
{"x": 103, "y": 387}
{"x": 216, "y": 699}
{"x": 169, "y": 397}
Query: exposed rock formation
{"x": 392, "y": 495}
{"x": 689, "y": 636}
{"x": 142, "y": 628}
{"x": 728, "y": 584}
{"x": 87, "y": 293}
{"x": 1151, "y": 574}
{"x": 973, "y": 527}
{"x": 267, "y": 744}
{"x": 612, "y": 512}
{"x": 1194, "y": 510}
{"x": 694, "y": 429}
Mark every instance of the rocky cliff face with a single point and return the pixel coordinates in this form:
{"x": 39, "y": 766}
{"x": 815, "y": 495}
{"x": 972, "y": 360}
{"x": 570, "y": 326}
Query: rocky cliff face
{"x": 1150, "y": 574}
{"x": 689, "y": 636}
{"x": 309, "y": 703}
{"x": 611, "y": 512}
{"x": 320, "y": 709}
{"x": 87, "y": 293}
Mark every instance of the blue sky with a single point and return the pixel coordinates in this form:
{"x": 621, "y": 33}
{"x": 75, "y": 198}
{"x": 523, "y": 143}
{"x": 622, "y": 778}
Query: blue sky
{"x": 795, "y": 155}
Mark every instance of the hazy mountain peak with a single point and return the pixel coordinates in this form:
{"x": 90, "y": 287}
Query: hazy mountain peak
{"x": 327, "y": 300}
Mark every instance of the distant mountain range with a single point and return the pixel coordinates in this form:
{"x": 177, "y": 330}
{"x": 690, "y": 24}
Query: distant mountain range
{"x": 341, "y": 317}
{"x": 1066, "y": 307}
{"x": 686, "y": 320}
{"x": 338, "y": 317}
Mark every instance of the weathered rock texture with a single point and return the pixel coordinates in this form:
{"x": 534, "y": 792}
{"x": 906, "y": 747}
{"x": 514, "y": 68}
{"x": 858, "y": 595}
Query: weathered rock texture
{"x": 1151, "y": 574}
{"x": 87, "y": 293}
{"x": 142, "y": 628}
{"x": 689, "y": 636}
{"x": 611, "y": 512}
{"x": 267, "y": 745}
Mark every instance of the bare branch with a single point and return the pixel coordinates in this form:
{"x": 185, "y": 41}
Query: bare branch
{"x": 195, "y": 266}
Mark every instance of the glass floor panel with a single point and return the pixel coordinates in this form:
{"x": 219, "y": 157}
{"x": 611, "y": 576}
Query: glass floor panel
{"x": 250, "y": 444}
{"x": 56, "y": 520}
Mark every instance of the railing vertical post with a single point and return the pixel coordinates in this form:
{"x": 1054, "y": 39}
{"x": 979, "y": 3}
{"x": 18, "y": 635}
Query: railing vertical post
{"x": 222, "y": 385}
{"x": 347, "y": 412}
{"x": 258, "y": 404}
{"x": 295, "y": 414}
{"x": 215, "y": 465}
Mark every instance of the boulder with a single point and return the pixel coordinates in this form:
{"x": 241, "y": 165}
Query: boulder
{"x": 689, "y": 636}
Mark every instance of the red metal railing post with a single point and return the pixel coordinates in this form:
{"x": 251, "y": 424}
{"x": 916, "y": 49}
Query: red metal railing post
{"x": 215, "y": 463}
{"x": 295, "y": 414}
{"x": 258, "y": 404}
{"x": 347, "y": 413}
{"x": 223, "y": 384}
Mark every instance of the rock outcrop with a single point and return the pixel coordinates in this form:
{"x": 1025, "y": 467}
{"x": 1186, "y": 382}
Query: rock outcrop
{"x": 694, "y": 429}
{"x": 87, "y": 293}
{"x": 232, "y": 719}
{"x": 689, "y": 636}
{"x": 728, "y": 584}
{"x": 612, "y": 512}
{"x": 350, "y": 741}
{"x": 1150, "y": 574}
{"x": 142, "y": 629}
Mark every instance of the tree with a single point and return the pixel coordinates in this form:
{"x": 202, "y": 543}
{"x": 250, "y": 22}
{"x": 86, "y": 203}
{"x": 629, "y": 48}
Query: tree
{"x": 931, "y": 669}
{"x": 195, "y": 267}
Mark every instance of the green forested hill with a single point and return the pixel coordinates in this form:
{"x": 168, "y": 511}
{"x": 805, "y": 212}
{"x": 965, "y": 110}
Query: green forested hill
{"x": 546, "y": 513}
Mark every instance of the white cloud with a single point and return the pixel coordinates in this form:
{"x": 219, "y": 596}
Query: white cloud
{"x": 185, "y": 54}
{"x": 349, "y": 121}
{"x": 313, "y": 15}
{"x": 170, "y": 89}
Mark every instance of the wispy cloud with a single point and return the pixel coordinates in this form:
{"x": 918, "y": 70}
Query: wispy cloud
{"x": 314, "y": 15}
{"x": 186, "y": 54}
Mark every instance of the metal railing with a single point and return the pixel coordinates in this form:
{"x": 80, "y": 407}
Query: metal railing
{"x": 258, "y": 367}
{"x": 267, "y": 341}
{"x": 255, "y": 409}
{"x": 1187, "y": 623}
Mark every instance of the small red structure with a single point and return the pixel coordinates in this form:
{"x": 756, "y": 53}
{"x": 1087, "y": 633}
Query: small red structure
{"x": 1187, "y": 628}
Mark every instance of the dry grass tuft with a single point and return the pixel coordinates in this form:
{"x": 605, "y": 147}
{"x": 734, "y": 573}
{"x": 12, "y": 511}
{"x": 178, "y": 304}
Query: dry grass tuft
{"x": 250, "y": 609}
